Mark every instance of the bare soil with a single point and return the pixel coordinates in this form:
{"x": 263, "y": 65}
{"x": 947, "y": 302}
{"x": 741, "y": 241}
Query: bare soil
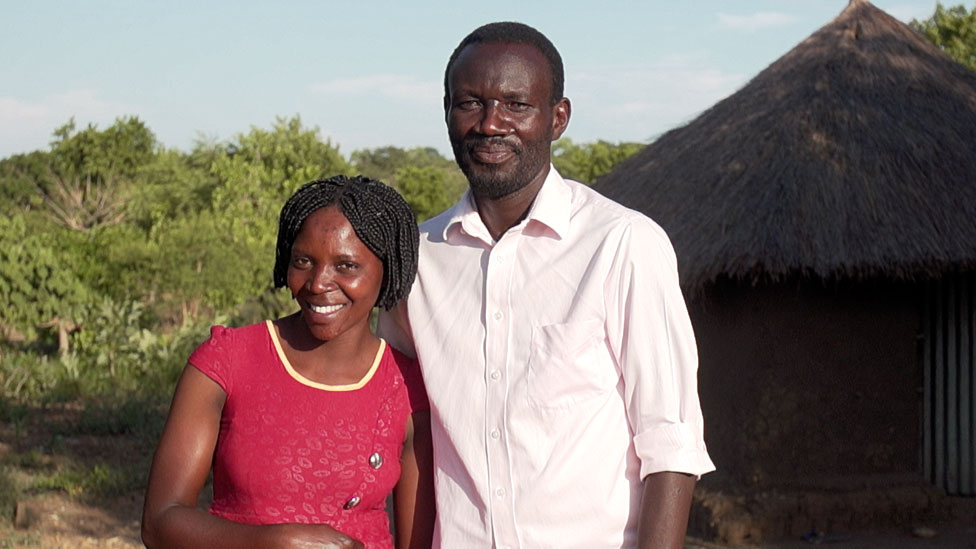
{"x": 43, "y": 443}
{"x": 57, "y": 519}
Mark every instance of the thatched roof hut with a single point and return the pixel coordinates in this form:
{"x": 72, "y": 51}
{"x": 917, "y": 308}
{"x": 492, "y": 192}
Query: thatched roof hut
{"x": 852, "y": 156}
{"x": 824, "y": 220}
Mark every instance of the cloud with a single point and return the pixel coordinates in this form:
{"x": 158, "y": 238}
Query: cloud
{"x": 13, "y": 110}
{"x": 26, "y": 125}
{"x": 639, "y": 103}
{"x": 755, "y": 21}
{"x": 391, "y": 86}
{"x": 907, "y": 12}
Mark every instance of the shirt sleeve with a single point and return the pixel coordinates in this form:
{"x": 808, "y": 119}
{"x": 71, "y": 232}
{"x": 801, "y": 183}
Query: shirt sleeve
{"x": 213, "y": 356}
{"x": 652, "y": 339}
{"x": 394, "y": 327}
{"x": 412, "y": 378}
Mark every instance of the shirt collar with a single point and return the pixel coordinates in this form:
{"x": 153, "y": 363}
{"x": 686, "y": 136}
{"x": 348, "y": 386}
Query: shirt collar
{"x": 550, "y": 208}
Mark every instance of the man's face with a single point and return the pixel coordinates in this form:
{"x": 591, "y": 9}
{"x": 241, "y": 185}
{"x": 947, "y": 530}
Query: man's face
{"x": 500, "y": 116}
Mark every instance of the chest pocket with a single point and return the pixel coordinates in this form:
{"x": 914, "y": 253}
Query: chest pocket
{"x": 569, "y": 365}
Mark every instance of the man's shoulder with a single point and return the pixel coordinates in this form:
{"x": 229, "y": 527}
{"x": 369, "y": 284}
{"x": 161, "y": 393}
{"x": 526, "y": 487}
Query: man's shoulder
{"x": 598, "y": 211}
{"x": 434, "y": 227}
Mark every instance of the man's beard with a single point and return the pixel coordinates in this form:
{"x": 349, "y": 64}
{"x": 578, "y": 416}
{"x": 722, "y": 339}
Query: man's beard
{"x": 496, "y": 181}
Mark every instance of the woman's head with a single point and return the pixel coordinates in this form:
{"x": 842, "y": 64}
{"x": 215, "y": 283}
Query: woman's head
{"x": 379, "y": 216}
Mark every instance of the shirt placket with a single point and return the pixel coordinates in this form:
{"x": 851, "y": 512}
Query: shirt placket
{"x": 498, "y": 331}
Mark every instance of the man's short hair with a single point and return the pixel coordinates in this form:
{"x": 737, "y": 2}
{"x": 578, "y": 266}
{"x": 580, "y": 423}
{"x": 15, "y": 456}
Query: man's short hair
{"x": 508, "y": 32}
{"x": 381, "y": 218}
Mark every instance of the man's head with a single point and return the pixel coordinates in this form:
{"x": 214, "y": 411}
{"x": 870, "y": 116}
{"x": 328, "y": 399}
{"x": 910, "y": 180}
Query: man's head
{"x": 504, "y": 107}
{"x": 513, "y": 33}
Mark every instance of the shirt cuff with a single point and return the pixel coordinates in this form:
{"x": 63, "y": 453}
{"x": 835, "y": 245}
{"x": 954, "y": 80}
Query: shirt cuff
{"x": 674, "y": 447}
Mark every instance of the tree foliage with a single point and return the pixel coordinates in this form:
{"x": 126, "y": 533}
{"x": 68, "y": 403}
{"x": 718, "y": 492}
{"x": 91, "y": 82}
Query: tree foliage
{"x": 89, "y": 172}
{"x": 424, "y": 189}
{"x": 41, "y": 280}
{"x": 953, "y": 30}
{"x": 589, "y": 161}
{"x": 254, "y": 175}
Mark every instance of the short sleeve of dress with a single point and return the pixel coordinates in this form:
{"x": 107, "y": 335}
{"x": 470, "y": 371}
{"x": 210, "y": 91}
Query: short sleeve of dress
{"x": 213, "y": 356}
{"x": 412, "y": 378}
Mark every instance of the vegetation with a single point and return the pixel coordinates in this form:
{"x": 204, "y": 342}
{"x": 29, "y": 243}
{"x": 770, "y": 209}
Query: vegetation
{"x": 587, "y": 162}
{"x": 953, "y": 30}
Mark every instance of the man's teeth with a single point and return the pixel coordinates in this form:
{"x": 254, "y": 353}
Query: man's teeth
{"x": 324, "y": 309}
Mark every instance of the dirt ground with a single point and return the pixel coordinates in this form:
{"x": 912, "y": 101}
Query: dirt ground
{"x": 59, "y": 522}
{"x": 56, "y": 519}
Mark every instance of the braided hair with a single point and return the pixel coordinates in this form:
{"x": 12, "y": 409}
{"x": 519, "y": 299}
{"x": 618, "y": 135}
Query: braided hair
{"x": 379, "y": 216}
{"x": 508, "y": 32}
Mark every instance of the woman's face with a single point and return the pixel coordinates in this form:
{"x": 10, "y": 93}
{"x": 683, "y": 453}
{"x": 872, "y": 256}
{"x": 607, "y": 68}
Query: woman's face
{"x": 333, "y": 276}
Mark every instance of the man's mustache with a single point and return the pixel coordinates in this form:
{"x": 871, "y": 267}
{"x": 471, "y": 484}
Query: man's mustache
{"x": 492, "y": 142}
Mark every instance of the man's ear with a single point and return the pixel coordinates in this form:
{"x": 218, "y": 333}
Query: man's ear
{"x": 560, "y": 117}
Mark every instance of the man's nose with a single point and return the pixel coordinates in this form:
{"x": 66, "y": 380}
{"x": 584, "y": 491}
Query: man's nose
{"x": 493, "y": 120}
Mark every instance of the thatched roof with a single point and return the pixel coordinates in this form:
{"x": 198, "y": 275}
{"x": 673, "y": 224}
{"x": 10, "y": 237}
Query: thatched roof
{"x": 852, "y": 156}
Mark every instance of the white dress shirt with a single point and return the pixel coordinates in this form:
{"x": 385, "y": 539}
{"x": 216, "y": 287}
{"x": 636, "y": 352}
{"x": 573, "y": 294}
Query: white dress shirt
{"x": 561, "y": 368}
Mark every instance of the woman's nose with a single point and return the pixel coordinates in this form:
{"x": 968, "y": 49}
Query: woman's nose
{"x": 322, "y": 281}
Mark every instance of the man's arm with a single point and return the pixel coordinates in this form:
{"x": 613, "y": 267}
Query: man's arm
{"x": 394, "y": 327}
{"x": 665, "y": 505}
{"x": 652, "y": 338}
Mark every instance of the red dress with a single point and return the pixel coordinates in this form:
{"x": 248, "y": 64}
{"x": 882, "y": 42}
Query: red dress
{"x": 292, "y": 450}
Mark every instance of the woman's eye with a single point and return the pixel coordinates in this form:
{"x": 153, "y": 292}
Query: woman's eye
{"x": 348, "y": 266}
{"x": 300, "y": 262}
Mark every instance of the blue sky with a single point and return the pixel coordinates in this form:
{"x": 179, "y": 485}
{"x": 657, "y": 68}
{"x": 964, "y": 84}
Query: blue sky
{"x": 369, "y": 74}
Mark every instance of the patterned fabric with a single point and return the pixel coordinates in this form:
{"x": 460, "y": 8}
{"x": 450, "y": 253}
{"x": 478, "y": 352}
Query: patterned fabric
{"x": 292, "y": 450}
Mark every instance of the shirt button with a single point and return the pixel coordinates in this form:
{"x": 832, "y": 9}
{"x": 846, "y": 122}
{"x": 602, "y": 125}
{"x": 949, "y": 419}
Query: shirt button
{"x": 353, "y": 501}
{"x": 500, "y": 492}
{"x": 498, "y": 315}
{"x": 376, "y": 460}
{"x": 495, "y": 434}
{"x": 496, "y": 375}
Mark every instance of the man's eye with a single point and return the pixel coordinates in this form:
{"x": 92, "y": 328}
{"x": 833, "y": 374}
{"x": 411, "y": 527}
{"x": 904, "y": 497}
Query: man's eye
{"x": 468, "y": 105}
{"x": 516, "y": 106}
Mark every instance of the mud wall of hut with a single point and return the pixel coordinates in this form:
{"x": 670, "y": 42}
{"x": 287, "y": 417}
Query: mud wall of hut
{"x": 804, "y": 384}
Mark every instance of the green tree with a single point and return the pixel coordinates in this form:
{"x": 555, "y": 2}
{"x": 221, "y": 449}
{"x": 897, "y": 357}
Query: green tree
{"x": 173, "y": 185}
{"x": 425, "y": 189}
{"x": 20, "y": 176}
{"x": 380, "y": 163}
{"x": 40, "y": 285}
{"x": 254, "y": 175}
{"x": 953, "y": 30}
{"x": 589, "y": 161}
{"x": 421, "y": 166}
{"x": 91, "y": 171}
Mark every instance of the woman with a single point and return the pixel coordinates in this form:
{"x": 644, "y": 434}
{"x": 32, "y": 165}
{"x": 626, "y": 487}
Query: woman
{"x": 310, "y": 420}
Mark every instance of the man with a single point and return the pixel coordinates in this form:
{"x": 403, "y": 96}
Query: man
{"x": 559, "y": 359}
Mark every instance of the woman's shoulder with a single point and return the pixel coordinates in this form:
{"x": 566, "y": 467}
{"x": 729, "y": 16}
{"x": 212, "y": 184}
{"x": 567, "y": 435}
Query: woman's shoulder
{"x": 225, "y": 340}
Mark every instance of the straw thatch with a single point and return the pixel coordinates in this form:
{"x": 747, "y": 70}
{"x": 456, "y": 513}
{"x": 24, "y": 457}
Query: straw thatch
{"x": 852, "y": 156}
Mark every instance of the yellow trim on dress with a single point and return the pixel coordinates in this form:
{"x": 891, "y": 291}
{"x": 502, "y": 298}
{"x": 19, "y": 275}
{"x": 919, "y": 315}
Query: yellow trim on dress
{"x": 305, "y": 381}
